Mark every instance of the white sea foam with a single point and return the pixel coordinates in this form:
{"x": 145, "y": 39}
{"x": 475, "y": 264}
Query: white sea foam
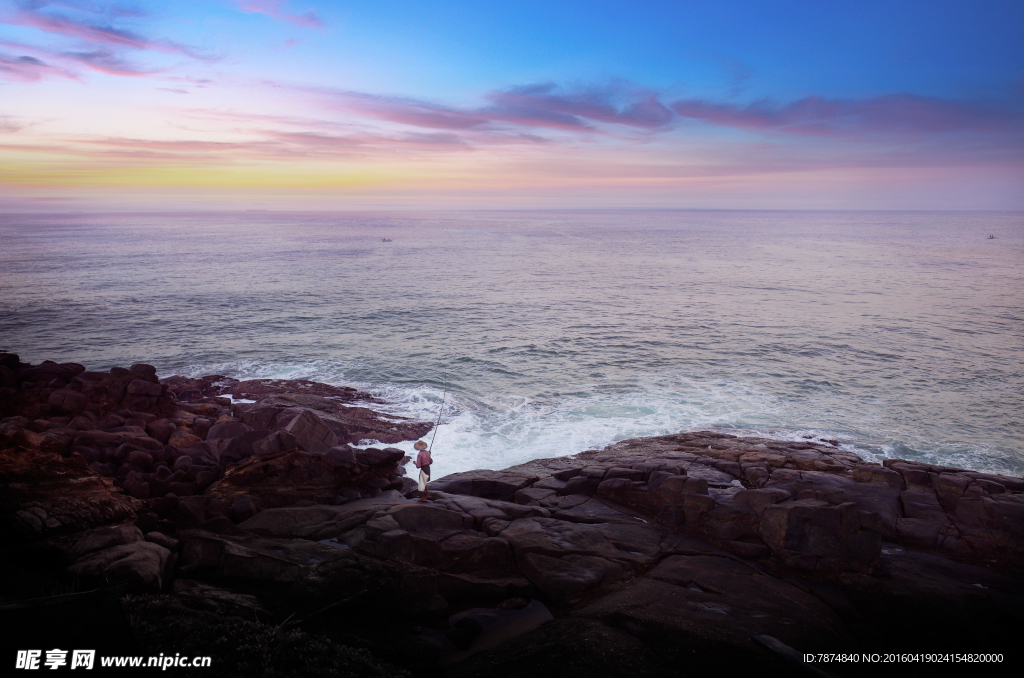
{"x": 484, "y": 435}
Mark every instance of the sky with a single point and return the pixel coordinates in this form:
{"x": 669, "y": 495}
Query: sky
{"x": 301, "y": 104}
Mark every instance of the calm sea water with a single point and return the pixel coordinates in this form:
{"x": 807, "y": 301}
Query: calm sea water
{"x": 899, "y": 334}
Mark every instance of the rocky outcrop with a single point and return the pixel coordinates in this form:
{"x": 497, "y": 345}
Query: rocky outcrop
{"x": 81, "y": 448}
{"x": 674, "y": 555}
{"x": 278, "y": 402}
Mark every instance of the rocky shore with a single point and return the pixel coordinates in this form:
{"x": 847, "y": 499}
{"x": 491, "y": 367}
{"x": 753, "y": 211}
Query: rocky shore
{"x": 147, "y": 516}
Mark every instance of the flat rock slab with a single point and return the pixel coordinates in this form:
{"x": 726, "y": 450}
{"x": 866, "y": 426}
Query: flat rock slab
{"x": 485, "y": 483}
{"x": 592, "y": 511}
{"x": 724, "y": 601}
{"x": 316, "y": 522}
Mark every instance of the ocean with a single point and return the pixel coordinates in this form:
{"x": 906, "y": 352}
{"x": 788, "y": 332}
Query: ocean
{"x": 899, "y": 334}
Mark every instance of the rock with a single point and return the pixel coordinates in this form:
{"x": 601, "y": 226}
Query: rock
{"x": 47, "y": 494}
{"x": 717, "y": 600}
{"x": 144, "y": 372}
{"x": 161, "y": 539}
{"x": 871, "y": 473}
{"x": 315, "y": 522}
{"x": 243, "y": 509}
{"x": 183, "y": 439}
{"x": 224, "y": 602}
{"x": 47, "y": 371}
{"x": 463, "y": 632}
{"x": 417, "y": 517}
{"x": 371, "y": 456}
{"x": 82, "y": 423}
{"x": 139, "y": 458}
{"x": 570, "y": 576}
{"x": 484, "y": 483}
{"x": 144, "y": 388}
{"x": 140, "y": 564}
{"x": 817, "y": 536}
{"x": 135, "y": 485}
{"x": 533, "y": 494}
{"x": 581, "y": 484}
{"x": 228, "y": 429}
{"x": 102, "y": 538}
{"x": 276, "y": 442}
{"x": 478, "y": 588}
{"x": 66, "y": 401}
{"x": 342, "y": 456}
{"x": 311, "y": 433}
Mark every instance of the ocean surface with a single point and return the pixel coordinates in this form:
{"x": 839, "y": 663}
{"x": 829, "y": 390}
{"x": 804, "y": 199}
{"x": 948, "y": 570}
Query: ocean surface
{"x": 900, "y": 334}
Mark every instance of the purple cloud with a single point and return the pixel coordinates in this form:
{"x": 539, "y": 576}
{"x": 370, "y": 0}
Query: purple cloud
{"x": 541, "y": 105}
{"x": 546, "y": 105}
{"x": 28, "y": 68}
{"x": 106, "y": 61}
{"x": 275, "y": 10}
{"x": 30, "y": 14}
{"x": 817, "y": 116}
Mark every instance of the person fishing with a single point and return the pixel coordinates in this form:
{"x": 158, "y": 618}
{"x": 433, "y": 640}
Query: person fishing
{"x": 423, "y": 459}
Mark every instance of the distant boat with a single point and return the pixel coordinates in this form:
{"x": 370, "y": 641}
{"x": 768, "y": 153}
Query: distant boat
{"x": 385, "y": 239}
{"x": 991, "y": 237}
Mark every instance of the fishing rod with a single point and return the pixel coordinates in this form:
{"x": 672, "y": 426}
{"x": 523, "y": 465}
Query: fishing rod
{"x": 445, "y": 395}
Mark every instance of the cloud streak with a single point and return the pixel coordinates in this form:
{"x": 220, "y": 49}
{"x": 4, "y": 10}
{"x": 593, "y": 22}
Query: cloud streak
{"x": 275, "y": 10}
{"x": 26, "y": 68}
{"x": 613, "y": 109}
{"x": 30, "y": 14}
{"x": 544, "y": 105}
{"x": 900, "y": 114}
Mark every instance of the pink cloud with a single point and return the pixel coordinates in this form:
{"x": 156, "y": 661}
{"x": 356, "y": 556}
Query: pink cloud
{"x": 275, "y": 10}
{"x": 29, "y": 68}
{"x": 30, "y": 14}
{"x": 105, "y": 61}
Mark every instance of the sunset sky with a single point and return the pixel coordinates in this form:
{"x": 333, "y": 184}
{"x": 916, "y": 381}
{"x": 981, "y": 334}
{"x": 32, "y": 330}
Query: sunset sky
{"x": 299, "y": 104}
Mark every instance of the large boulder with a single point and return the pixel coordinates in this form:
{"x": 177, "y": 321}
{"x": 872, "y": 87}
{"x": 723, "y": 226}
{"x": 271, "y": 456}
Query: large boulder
{"x": 311, "y": 433}
{"x": 142, "y": 565}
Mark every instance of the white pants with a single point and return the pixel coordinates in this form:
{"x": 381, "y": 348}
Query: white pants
{"x": 424, "y": 479}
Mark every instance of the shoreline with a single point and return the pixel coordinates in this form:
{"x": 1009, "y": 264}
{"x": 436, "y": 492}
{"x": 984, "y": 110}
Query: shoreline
{"x": 696, "y": 549}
